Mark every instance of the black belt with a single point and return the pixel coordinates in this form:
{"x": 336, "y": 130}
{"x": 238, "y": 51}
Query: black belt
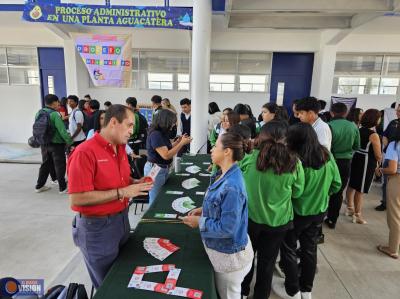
{"x": 161, "y": 165}
{"x": 102, "y": 216}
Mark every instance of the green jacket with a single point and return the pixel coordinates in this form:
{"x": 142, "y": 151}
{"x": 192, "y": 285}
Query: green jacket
{"x": 270, "y": 195}
{"x": 60, "y": 134}
{"x": 345, "y": 138}
{"x": 319, "y": 185}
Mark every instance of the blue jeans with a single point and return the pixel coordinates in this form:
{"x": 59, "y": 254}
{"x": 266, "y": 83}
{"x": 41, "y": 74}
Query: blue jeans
{"x": 159, "y": 181}
{"x": 383, "y": 201}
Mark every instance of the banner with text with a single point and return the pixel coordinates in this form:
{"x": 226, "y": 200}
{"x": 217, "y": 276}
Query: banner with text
{"x": 349, "y": 102}
{"x": 108, "y": 58}
{"x": 98, "y": 15}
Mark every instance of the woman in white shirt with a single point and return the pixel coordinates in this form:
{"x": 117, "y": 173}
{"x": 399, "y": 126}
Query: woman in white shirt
{"x": 214, "y": 116}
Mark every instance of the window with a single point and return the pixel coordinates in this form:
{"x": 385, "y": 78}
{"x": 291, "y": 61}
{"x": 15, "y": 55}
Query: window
{"x": 183, "y": 82}
{"x": 242, "y": 72}
{"x": 19, "y": 66}
{"x": 252, "y": 83}
{"x": 160, "y": 81}
{"x": 222, "y": 82}
{"x": 366, "y": 74}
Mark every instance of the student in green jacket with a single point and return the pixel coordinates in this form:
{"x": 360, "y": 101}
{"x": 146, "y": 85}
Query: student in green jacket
{"x": 53, "y": 154}
{"x": 272, "y": 175}
{"x": 322, "y": 179}
{"x": 345, "y": 141}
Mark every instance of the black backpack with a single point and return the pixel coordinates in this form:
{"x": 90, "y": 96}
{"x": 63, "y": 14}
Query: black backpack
{"x": 85, "y": 128}
{"x": 72, "y": 291}
{"x": 42, "y": 129}
{"x": 143, "y": 125}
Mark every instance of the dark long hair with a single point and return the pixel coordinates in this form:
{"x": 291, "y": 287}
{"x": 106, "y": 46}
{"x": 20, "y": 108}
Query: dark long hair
{"x": 274, "y": 152}
{"x": 213, "y": 107}
{"x": 303, "y": 140}
{"x": 236, "y": 143}
{"x": 355, "y": 115}
{"x": 97, "y": 125}
{"x": 163, "y": 120}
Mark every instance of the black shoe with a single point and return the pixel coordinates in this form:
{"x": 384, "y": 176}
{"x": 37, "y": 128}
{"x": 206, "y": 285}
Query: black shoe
{"x": 381, "y": 208}
{"x": 321, "y": 239}
{"x": 330, "y": 224}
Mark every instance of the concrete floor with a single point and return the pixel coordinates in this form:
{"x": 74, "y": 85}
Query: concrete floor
{"x": 36, "y": 242}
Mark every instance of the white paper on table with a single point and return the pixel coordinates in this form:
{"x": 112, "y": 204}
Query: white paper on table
{"x": 205, "y": 174}
{"x": 193, "y": 169}
{"x": 190, "y": 183}
{"x": 183, "y": 204}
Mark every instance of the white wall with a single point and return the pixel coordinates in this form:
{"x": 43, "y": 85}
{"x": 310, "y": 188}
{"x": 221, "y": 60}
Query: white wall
{"x": 20, "y": 103}
{"x": 19, "y": 106}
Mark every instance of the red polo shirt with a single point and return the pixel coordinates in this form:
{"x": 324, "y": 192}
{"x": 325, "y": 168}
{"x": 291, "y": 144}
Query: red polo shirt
{"x": 94, "y": 166}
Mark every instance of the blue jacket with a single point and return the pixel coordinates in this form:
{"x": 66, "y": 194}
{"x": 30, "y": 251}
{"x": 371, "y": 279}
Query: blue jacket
{"x": 223, "y": 224}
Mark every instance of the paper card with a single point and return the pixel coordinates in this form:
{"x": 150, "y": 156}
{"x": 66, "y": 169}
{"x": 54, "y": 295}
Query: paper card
{"x": 135, "y": 280}
{"x": 200, "y": 193}
{"x": 206, "y": 163}
{"x": 154, "y": 171}
{"x": 183, "y": 204}
{"x": 190, "y": 183}
{"x": 193, "y": 169}
{"x": 186, "y": 163}
{"x": 159, "y": 268}
{"x": 174, "y": 192}
{"x": 204, "y": 174}
{"x": 172, "y": 278}
{"x": 182, "y": 174}
{"x": 185, "y": 292}
{"x": 165, "y": 216}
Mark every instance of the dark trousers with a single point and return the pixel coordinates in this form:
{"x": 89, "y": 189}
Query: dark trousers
{"x": 100, "y": 240}
{"x": 53, "y": 157}
{"x": 305, "y": 231}
{"x": 266, "y": 242}
{"x": 336, "y": 200}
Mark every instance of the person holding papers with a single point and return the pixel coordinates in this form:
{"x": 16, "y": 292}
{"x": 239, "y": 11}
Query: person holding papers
{"x": 160, "y": 150}
{"x": 223, "y": 218}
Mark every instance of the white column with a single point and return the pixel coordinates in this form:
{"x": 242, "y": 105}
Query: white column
{"x": 323, "y": 73}
{"x": 201, "y": 45}
{"x": 71, "y": 73}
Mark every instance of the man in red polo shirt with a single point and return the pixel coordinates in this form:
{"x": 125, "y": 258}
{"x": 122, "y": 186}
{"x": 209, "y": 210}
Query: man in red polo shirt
{"x": 100, "y": 186}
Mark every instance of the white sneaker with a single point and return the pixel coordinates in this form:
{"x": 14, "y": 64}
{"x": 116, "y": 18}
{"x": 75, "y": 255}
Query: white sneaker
{"x": 42, "y": 189}
{"x": 278, "y": 286}
{"x": 54, "y": 182}
{"x": 65, "y": 191}
{"x": 306, "y": 295}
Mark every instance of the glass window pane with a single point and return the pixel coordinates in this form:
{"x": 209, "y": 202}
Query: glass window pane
{"x": 245, "y": 87}
{"x": 252, "y": 79}
{"x": 159, "y": 77}
{"x": 3, "y": 60}
{"x": 222, "y": 78}
{"x": 166, "y": 85}
{"x": 154, "y": 85}
{"x": 172, "y": 62}
{"x": 135, "y": 60}
{"x": 351, "y": 64}
{"x": 183, "y": 86}
{"x": 215, "y": 87}
{"x": 183, "y": 77}
{"x": 223, "y": 62}
{"x": 389, "y": 86}
{"x": 228, "y": 87}
{"x": 24, "y": 76}
{"x": 254, "y": 63}
{"x": 393, "y": 65}
{"x": 22, "y": 56}
{"x": 135, "y": 80}
{"x": 259, "y": 87}
{"x": 3, "y": 75}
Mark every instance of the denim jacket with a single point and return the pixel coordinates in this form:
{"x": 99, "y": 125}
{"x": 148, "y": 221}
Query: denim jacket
{"x": 223, "y": 223}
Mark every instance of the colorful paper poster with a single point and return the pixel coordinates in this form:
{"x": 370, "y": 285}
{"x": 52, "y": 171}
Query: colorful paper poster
{"x": 52, "y": 11}
{"x": 108, "y": 58}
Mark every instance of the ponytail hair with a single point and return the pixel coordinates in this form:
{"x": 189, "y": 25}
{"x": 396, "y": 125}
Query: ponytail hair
{"x": 274, "y": 152}
{"x": 236, "y": 143}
